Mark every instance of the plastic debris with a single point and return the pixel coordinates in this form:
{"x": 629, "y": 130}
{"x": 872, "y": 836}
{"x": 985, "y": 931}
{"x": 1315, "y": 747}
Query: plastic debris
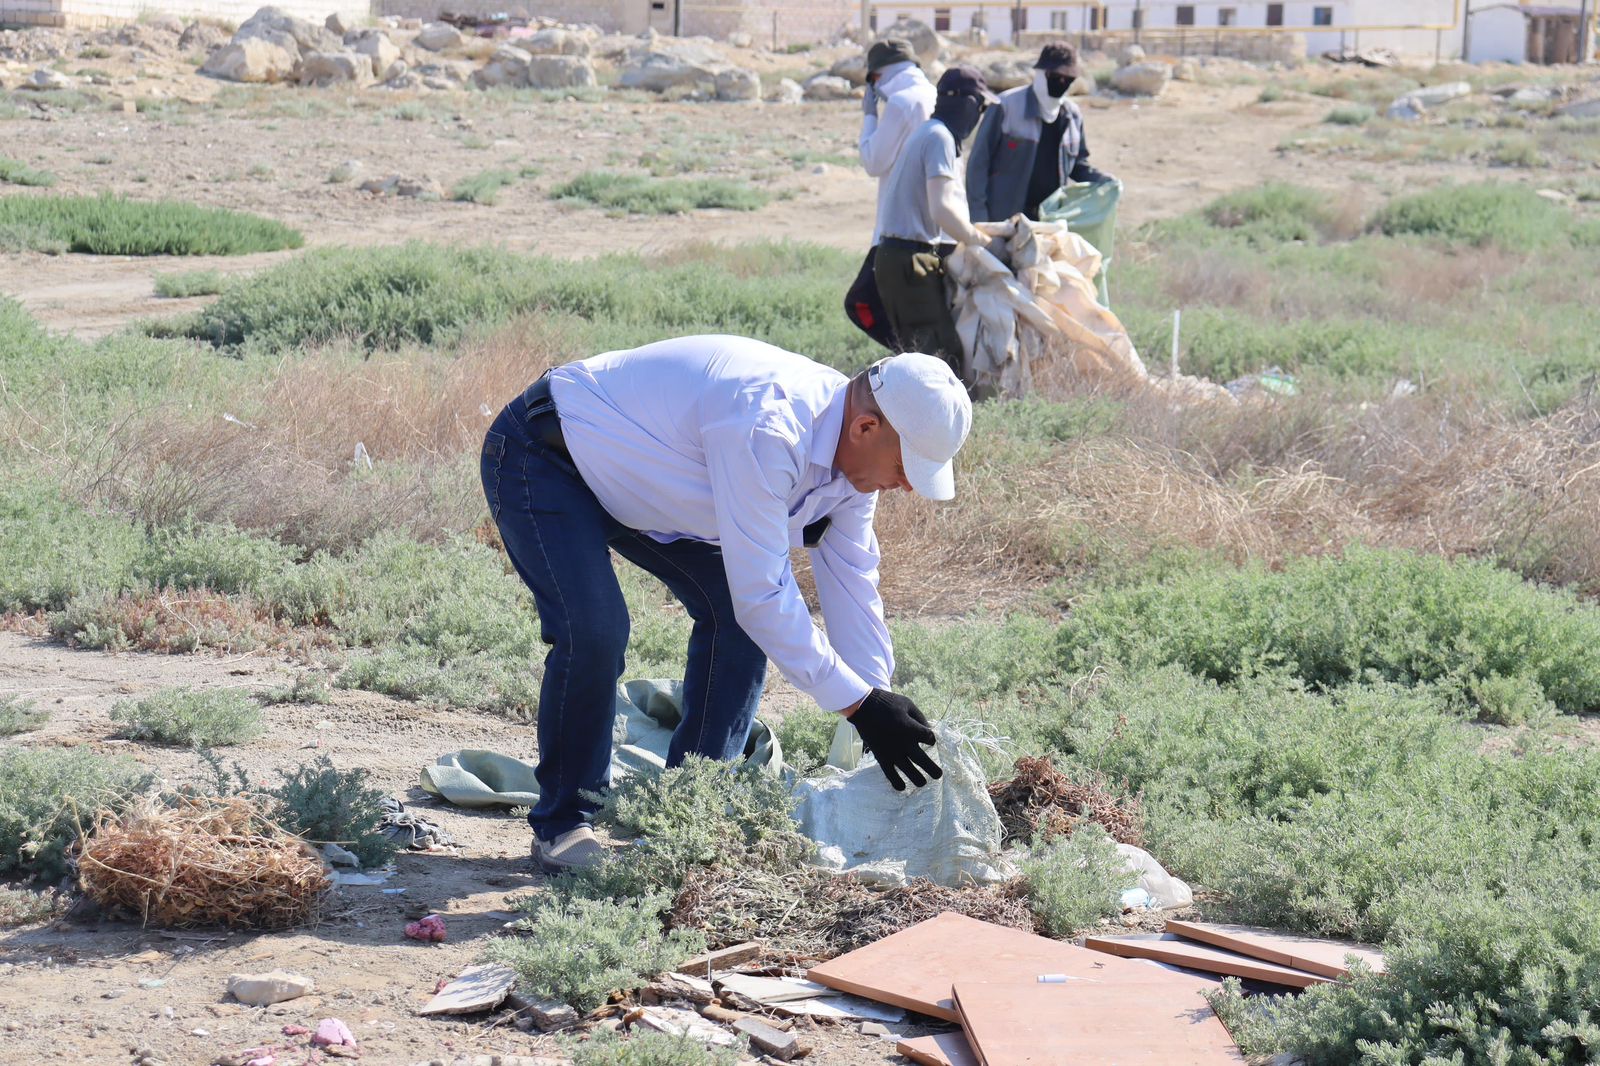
{"x": 429, "y": 929}
{"x": 331, "y": 1032}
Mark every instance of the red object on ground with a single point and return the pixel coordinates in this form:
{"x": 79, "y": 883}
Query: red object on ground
{"x": 295, "y": 1030}
{"x": 331, "y": 1032}
{"x": 430, "y": 929}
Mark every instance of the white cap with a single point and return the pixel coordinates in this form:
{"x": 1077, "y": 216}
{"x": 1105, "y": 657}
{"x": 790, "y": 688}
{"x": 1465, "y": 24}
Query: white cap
{"x": 928, "y": 406}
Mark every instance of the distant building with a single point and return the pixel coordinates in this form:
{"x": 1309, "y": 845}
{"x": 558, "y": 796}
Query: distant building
{"x": 774, "y": 23}
{"x": 1524, "y": 33}
{"x": 99, "y": 13}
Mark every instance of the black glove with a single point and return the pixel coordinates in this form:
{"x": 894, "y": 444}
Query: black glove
{"x": 893, "y": 730}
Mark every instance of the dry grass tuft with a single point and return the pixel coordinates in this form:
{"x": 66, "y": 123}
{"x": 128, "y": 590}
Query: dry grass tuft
{"x": 808, "y": 914}
{"x": 173, "y": 622}
{"x": 1041, "y": 801}
{"x": 201, "y": 862}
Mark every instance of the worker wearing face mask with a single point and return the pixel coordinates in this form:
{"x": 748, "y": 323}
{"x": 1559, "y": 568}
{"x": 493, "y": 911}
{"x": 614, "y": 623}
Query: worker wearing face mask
{"x": 1031, "y": 144}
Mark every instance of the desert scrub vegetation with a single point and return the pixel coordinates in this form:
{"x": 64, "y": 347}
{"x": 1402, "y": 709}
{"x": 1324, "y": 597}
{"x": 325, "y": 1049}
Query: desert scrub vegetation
{"x": 189, "y": 283}
{"x": 326, "y": 805}
{"x": 14, "y": 172}
{"x": 18, "y": 715}
{"x": 46, "y": 796}
{"x": 193, "y": 718}
{"x": 483, "y": 187}
{"x": 22, "y": 906}
{"x": 638, "y": 194}
{"x": 1075, "y": 881}
{"x": 1513, "y": 216}
{"x": 110, "y": 225}
{"x": 605, "y": 1047}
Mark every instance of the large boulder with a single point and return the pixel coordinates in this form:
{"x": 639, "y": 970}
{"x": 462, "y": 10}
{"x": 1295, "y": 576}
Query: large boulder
{"x": 252, "y": 60}
{"x": 376, "y": 46}
{"x": 924, "y": 41}
{"x": 1434, "y": 95}
{"x": 1581, "y": 109}
{"x": 787, "y": 92}
{"x": 335, "y": 68}
{"x": 438, "y": 37}
{"x": 555, "y": 42}
{"x": 852, "y": 68}
{"x": 737, "y": 85}
{"x": 1130, "y": 55}
{"x": 273, "y": 24}
{"x": 1003, "y": 74}
{"x": 1142, "y": 79}
{"x": 681, "y": 68}
{"x": 507, "y": 67}
{"x": 202, "y": 37}
{"x": 561, "y": 72}
{"x": 827, "y": 87}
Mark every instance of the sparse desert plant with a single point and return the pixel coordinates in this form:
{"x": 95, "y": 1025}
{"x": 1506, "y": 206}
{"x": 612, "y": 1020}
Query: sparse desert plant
{"x": 326, "y": 805}
{"x": 1075, "y": 881}
{"x": 24, "y": 906}
{"x": 1270, "y": 93}
{"x": 1513, "y": 216}
{"x": 806, "y": 734}
{"x": 305, "y": 688}
{"x": 483, "y": 187}
{"x": 605, "y": 1047}
{"x": 45, "y": 796}
{"x": 581, "y": 950}
{"x": 189, "y": 283}
{"x": 1273, "y": 213}
{"x": 1350, "y": 115}
{"x": 110, "y": 225}
{"x": 13, "y": 172}
{"x": 641, "y": 195}
{"x": 18, "y": 715}
{"x": 194, "y": 718}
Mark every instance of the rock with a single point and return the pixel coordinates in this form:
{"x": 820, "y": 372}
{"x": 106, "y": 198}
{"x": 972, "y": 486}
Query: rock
{"x": 1082, "y": 85}
{"x": 45, "y": 78}
{"x": 561, "y": 72}
{"x": 787, "y": 92}
{"x": 683, "y": 68}
{"x": 272, "y": 24}
{"x": 403, "y": 78}
{"x": 547, "y": 1014}
{"x": 1406, "y": 109}
{"x": 1130, "y": 56}
{"x": 852, "y": 68}
{"x": 349, "y": 170}
{"x": 165, "y": 23}
{"x": 438, "y": 37}
{"x": 1186, "y": 70}
{"x": 335, "y": 68}
{"x": 741, "y": 40}
{"x": 877, "y": 1029}
{"x": 1005, "y": 74}
{"x": 337, "y": 25}
{"x": 924, "y": 41}
{"x": 252, "y": 60}
{"x": 1529, "y": 97}
{"x": 202, "y": 37}
{"x": 264, "y": 989}
{"x": 382, "y": 52}
{"x": 479, "y": 988}
{"x": 737, "y": 85}
{"x": 508, "y": 66}
{"x": 764, "y": 1038}
{"x": 1555, "y": 196}
{"x": 331, "y": 1033}
{"x": 1434, "y": 95}
{"x": 1142, "y": 79}
{"x": 1581, "y": 109}
{"x": 827, "y": 87}
{"x": 555, "y": 42}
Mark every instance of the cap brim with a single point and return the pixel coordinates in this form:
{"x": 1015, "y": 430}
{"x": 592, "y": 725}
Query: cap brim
{"x": 929, "y": 477}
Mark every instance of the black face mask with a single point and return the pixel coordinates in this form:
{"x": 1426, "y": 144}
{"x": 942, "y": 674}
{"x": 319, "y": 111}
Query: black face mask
{"x": 960, "y": 114}
{"x": 1057, "y": 84}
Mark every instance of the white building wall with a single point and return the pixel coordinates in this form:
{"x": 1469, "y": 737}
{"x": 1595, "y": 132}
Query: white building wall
{"x": 99, "y": 13}
{"x": 1499, "y": 34}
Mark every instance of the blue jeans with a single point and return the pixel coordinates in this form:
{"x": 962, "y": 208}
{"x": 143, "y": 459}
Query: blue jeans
{"x": 559, "y": 539}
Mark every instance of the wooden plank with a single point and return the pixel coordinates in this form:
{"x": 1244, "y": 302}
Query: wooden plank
{"x": 915, "y": 968}
{"x": 722, "y": 959}
{"x": 1171, "y": 948}
{"x": 943, "y": 1049}
{"x": 1325, "y": 957}
{"x": 1080, "y": 1023}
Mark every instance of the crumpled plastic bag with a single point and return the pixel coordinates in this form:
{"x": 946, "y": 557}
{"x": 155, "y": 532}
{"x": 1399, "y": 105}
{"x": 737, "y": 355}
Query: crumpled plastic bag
{"x": 1161, "y": 890}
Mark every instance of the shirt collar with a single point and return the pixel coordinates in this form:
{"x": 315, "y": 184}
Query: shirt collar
{"x": 825, "y": 431}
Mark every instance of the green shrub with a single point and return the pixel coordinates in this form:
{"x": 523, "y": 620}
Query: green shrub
{"x": 1076, "y": 881}
{"x": 109, "y": 225}
{"x": 16, "y": 237}
{"x": 193, "y": 718}
{"x": 973, "y": 659}
{"x": 581, "y": 950}
{"x": 326, "y": 805}
{"x": 1271, "y": 94}
{"x": 806, "y": 735}
{"x": 1273, "y": 213}
{"x": 190, "y": 283}
{"x": 52, "y": 550}
{"x": 18, "y": 715}
{"x": 46, "y": 795}
{"x": 483, "y": 187}
{"x": 1513, "y": 216}
{"x": 13, "y": 172}
{"x": 307, "y": 688}
{"x": 642, "y": 195}
{"x": 1368, "y": 614}
{"x": 22, "y": 906}
{"x": 606, "y": 1047}
{"x": 1350, "y": 115}
{"x": 216, "y": 557}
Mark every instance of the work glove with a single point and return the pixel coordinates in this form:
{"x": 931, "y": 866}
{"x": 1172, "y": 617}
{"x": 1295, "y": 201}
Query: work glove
{"x": 894, "y": 731}
{"x": 869, "y": 101}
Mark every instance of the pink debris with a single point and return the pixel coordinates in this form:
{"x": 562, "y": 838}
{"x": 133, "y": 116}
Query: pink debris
{"x": 331, "y": 1032}
{"x": 263, "y": 1060}
{"x": 429, "y": 929}
{"x": 295, "y": 1030}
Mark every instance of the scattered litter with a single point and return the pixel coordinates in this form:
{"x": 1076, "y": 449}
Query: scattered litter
{"x": 201, "y": 862}
{"x": 479, "y": 988}
{"x": 795, "y": 995}
{"x": 1162, "y": 890}
{"x": 430, "y": 929}
{"x": 265, "y": 989}
{"x": 943, "y": 1049}
{"x": 295, "y": 1030}
{"x": 764, "y": 1038}
{"x": 393, "y": 891}
{"x": 674, "y": 1021}
{"x": 358, "y": 879}
{"x": 331, "y": 1032}
{"x": 151, "y": 982}
{"x": 722, "y": 958}
{"x": 339, "y": 856}
{"x": 547, "y": 1014}
{"x": 412, "y": 830}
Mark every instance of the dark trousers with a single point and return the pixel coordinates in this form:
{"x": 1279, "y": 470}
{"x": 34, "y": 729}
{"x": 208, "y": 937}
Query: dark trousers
{"x": 559, "y": 539}
{"x": 911, "y": 283}
{"x": 864, "y": 307}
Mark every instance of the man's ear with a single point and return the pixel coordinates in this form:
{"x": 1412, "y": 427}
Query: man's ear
{"x": 864, "y": 425}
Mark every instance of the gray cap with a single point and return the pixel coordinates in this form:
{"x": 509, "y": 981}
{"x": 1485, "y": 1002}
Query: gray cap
{"x": 889, "y": 51}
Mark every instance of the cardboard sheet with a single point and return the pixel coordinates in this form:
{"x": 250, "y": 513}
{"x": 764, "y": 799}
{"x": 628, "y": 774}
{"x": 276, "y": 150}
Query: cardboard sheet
{"x": 1324, "y": 957}
{"x": 1090, "y": 1024}
{"x": 1169, "y": 947}
{"x": 916, "y": 968}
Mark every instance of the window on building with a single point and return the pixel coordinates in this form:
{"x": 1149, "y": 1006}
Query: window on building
{"x": 1227, "y": 16}
{"x": 1019, "y": 19}
{"x": 872, "y": 22}
{"x": 1274, "y": 14}
{"x": 1186, "y": 14}
{"x": 1138, "y": 18}
{"x": 941, "y": 19}
{"x": 1322, "y": 16}
{"x": 1058, "y": 20}
{"x": 1094, "y": 18}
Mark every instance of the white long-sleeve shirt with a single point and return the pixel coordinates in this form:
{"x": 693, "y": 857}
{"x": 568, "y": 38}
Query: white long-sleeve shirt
{"x": 908, "y": 99}
{"x": 731, "y": 441}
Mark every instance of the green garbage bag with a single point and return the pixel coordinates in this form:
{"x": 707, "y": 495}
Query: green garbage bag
{"x": 1090, "y": 210}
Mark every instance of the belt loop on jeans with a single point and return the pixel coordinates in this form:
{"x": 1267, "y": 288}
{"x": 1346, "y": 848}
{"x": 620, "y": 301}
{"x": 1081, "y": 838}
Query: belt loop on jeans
{"x": 540, "y": 417}
{"x": 908, "y": 245}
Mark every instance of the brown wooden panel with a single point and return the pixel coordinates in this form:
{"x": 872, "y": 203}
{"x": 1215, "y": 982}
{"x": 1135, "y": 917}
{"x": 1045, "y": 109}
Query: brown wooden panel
{"x": 1168, "y": 947}
{"x": 1082, "y": 1023}
{"x": 1324, "y": 957}
{"x": 944, "y": 1049}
